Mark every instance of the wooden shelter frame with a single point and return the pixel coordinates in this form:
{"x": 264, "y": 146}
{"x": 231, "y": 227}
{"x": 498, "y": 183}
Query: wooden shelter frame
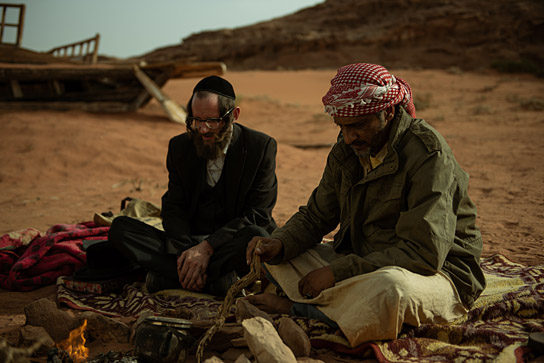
{"x": 18, "y": 25}
{"x": 85, "y": 50}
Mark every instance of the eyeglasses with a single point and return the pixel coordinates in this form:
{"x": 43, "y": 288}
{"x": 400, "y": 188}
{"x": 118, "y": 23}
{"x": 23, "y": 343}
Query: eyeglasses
{"x": 211, "y": 123}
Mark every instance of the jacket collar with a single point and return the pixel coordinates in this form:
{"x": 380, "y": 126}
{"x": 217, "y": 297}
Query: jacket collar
{"x": 401, "y": 123}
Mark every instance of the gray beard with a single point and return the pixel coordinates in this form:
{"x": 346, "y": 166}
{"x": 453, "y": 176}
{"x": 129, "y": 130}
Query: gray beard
{"x": 362, "y": 154}
{"x": 214, "y": 150}
{"x": 379, "y": 139}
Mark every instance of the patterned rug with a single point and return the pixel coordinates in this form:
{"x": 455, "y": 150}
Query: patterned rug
{"x": 495, "y": 329}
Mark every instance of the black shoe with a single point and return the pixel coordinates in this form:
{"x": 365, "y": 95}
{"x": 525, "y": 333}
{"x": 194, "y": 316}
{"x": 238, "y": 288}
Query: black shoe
{"x": 221, "y": 286}
{"x": 536, "y": 343}
{"x": 155, "y": 282}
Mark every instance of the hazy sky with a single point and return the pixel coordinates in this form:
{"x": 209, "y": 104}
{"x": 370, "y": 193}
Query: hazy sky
{"x": 134, "y": 27}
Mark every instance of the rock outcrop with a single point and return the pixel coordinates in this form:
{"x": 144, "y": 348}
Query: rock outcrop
{"x": 468, "y": 34}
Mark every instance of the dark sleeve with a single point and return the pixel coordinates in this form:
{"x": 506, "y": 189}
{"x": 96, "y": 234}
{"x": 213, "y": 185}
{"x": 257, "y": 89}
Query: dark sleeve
{"x": 260, "y": 197}
{"x": 318, "y": 217}
{"x": 176, "y": 201}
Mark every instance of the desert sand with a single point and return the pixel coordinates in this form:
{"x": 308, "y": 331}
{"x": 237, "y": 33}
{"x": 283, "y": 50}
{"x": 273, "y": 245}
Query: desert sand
{"x": 62, "y": 167}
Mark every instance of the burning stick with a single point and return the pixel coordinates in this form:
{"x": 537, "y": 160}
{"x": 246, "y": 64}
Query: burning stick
{"x": 74, "y": 345}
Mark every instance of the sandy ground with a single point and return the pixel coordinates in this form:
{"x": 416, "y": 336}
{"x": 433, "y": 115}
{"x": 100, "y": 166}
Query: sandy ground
{"x": 62, "y": 167}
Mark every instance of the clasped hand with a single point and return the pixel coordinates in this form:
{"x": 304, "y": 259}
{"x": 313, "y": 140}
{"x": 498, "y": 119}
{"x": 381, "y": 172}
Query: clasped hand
{"x": 192, "y": 265}
{"x": 316, "y": 281}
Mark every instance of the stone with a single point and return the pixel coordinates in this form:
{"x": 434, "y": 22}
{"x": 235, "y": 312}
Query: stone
{"x": 309, "y": 360}
{"x": 242, "y": 359}
{"x": 265, "y": 343}
{"x": 246, "y": 310}
{"x": 222, "y": 339}
{"x": 57, "y": 323}
{"x": 30, "y": 335}
{"x": 213, "y": 359}
{"x": 232, "y": 354}
{"x": 294, "y": 337}
{"x": 105, "y": 329}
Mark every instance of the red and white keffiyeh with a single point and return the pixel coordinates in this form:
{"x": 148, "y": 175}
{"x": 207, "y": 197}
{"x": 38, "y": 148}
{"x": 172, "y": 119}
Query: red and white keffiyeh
{"x": 362, "y": 89}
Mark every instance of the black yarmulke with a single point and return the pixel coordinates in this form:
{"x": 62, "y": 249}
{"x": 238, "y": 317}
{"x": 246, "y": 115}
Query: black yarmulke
{"x": 217, "y": 85}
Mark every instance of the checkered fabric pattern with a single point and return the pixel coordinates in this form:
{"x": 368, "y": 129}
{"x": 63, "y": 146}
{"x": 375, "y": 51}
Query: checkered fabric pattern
{"x": 362, "y": 89}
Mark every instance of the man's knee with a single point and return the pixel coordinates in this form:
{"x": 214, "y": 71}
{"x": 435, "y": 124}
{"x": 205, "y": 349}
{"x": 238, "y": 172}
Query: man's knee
{"x": 396, "y": 285}
{"x": 252, "y": 231}
{"x": 118, "y": 229}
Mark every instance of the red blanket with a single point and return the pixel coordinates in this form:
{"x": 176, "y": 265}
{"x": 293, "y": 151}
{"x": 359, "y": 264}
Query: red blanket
{"x": 28, "y": 266}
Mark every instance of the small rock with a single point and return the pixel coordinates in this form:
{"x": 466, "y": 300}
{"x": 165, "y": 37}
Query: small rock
{"x": 309, "y": 360}
{"x": 242, "y": 359}
{"x": 233, "y": 353}
{"x": 57, "y": 323}
{"x": 265, "y": 343}
{"x": 222, "y": 339}
{"x": 246, "y": 310}
{"x": 30, "y": 335}
{"x": 104, "y": 329}
{"x": 213, "y": 359}
{"x": 294, "y": 337}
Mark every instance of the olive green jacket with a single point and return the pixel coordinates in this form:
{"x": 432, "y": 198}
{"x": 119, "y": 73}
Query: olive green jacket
{"x": 411, "y": 211}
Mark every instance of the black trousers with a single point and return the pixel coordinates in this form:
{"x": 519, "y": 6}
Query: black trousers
{"x": 151, "y": 248}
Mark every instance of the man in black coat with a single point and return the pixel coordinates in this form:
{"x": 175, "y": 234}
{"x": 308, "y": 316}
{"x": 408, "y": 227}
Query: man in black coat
{"x": 221, "y": 190}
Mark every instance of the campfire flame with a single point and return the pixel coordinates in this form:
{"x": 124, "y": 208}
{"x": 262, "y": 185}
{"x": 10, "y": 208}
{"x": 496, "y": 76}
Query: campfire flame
{"x": 74, "y": 345}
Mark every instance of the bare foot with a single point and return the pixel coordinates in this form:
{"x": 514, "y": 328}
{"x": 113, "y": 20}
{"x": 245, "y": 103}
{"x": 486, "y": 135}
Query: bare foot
{"x": 270, "y": 303}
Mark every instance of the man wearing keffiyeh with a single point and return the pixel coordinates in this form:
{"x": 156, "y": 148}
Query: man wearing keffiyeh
{"x": 407, "y": 248}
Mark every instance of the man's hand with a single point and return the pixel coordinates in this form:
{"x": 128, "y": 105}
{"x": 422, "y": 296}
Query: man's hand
{"x": 316, "y": 281}
{"x": 268, "y": 249}
{"x": 192, "y": 265}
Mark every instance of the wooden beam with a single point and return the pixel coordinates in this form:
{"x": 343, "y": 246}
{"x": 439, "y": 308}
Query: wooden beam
{"x": 16, "y": 89}
{"x": 21, "y": 25}
{"x": 84, "y": 106}
{"x": 59, "y": 89}
{"x": 3, "y": 23}
{"x": 145, "y": 96}
{"x": 94, "y": 59}
{"x": 172, "y": 109}
{"x": 65, "y": 73}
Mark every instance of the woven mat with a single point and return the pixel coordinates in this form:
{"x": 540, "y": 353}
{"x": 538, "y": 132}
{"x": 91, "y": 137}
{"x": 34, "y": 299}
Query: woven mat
{"x": 495, "y": 329}
{"x": 132, "y": 300}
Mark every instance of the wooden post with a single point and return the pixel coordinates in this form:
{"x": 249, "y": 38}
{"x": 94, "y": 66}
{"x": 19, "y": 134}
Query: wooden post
{"x": 21, "y": 24}
{"x": 173, "y": 110}
{"x": 95, "y": 50}
{"x": 3, "y": 24}
{"x": 16, "y": 88}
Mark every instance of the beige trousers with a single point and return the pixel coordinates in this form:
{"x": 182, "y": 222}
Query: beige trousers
{"x": 373, "y": 306}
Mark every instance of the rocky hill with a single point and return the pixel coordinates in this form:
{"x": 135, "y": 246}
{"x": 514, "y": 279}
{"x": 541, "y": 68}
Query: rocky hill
{"x": 469, "y": 34}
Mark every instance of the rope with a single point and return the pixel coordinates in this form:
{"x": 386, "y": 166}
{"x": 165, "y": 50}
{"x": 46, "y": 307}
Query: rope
{"x": 252, "y": 276}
